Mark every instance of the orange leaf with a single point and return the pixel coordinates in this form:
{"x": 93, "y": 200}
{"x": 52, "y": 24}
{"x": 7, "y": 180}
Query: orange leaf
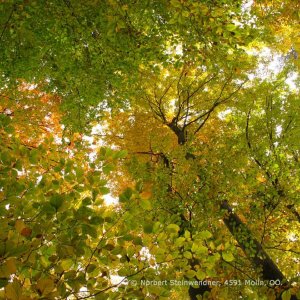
{"x": 26, "y": 232}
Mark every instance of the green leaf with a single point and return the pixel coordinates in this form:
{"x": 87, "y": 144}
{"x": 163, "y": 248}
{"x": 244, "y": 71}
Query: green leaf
{"x": 187, "y": 254}
{"x": 3, "y": 282}
{"x": 205, "y": 234}
{"x": 107, "y": 168}
{"x": 121, "y": 154}
{"x": 56, "y": 201}
{"x": 227, "y": 256}
{"x": 179, "y": 241}
{"x": 231, "y": 27}
{"x": 145, "y": 204}
{"x": 190, "y": 274}
{"x": 104, "y": 190}
{"x": 286, "y": 295}
{"x": 187, "y": 234}
{"x": 200, "y": 275}
{"x": 91, "y": 268}
{"x": 173, "y": 228}
{"x": 148, "y": 228}
{"x": 199, "y": 249}
{"x": 126, "y": 195}
{"x": 66, "y": 264}
{"x": 123, "y": 272}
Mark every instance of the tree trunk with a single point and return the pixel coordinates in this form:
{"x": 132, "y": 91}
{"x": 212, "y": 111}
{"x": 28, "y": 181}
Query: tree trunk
{"x": 260, "y": 259}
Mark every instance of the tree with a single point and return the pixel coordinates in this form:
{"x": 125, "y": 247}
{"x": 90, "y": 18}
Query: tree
{"x": 162, "y": 105}
{"x": 187, "y": 189}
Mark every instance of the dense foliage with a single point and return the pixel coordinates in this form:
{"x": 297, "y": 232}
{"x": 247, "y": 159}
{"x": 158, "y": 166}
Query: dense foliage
{"x": 185, "y": 113}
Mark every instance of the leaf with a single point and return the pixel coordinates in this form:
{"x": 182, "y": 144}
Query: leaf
{"x": 56, "y": 201}
{"x": 187, "y": 254}
{"x": 70, "y": 274}
{"x": 286, "y": 295}
{"x": 26, "y": 232}
{"x": 20, "y": 225}
{"x": 121, "y": 154}
{"x": 107, "y": 168}
{"x": 190, "y": 274}
{"x": 187, "y": 234}
{"x": 123, "y": 272}
{"x": 3, "y": 282}
{"x": 66, "y": 264}
{"x": 205, "y": 234}
{"x": 227, "y": 256}
{"x": 199, "y": 249}
{"x": 8, "y": 268}
{"x": 104, "y": 190}
{"x": 173, "y": 228}
{"x": 91, "y": 268}
{"x": 200, "y": 275}
{"x": 148, "y": 228}
{"x": 179, "y": 241}
{"x": 45, "y": 286}
{"x": 145, "y": 204}
{"x": 231, "y": 27}
{"x": 13, "y": 291}
{"x": 126, "y": 195}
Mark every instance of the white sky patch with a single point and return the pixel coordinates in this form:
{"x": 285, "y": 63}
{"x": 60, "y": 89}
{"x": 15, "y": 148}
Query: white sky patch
{"x": 110, "y": 200}
{"x": 246, "y": 6}
{"x": 291, "y": 81}
{"x": 144, "y": 252}
{"x": 92, "y": 156}
{"x": 38, "y": 180}
{"x": 88, "y": 139}
{"x": 22, "y": 172}
{"x": 223, "y": 114}
{"x": 31, "y": 87}
{"x": 98, "y": 129}
{"x": 57, "y": 140}
{"x": 115, "y": 279}
{"x": 251, "y": 76}
{"x": 278, "y": 130}
{"x": 173, "y": 105}
{"x": 270, "y": 63}
{"x": 293, "y": 237}
{"x": 178, "y": 49}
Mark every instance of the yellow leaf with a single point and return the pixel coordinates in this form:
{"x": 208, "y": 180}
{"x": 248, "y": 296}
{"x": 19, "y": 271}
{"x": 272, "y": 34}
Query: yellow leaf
{"x": 45, "y": 286}
{"x": 13, "y": 291}
{"x": 20, "y": 225}
{"x": 11, "y": 265}
{"x": 261, "y": 178}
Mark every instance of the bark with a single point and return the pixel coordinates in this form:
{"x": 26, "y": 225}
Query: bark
{"x": 260, "y": 259}
{"x": 180, "y": 132}
{"x": 292, "y": 208}
{"x": 243, "y": 236}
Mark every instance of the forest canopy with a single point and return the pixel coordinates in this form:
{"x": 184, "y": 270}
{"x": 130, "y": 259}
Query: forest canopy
{"x": 149, "y": 149}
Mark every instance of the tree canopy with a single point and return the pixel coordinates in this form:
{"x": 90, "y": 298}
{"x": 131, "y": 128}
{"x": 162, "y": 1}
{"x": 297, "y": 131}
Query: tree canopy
{"x": 149, "y": 149}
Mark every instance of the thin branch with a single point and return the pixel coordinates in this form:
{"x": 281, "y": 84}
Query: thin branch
{"x": 8, "y": 20}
